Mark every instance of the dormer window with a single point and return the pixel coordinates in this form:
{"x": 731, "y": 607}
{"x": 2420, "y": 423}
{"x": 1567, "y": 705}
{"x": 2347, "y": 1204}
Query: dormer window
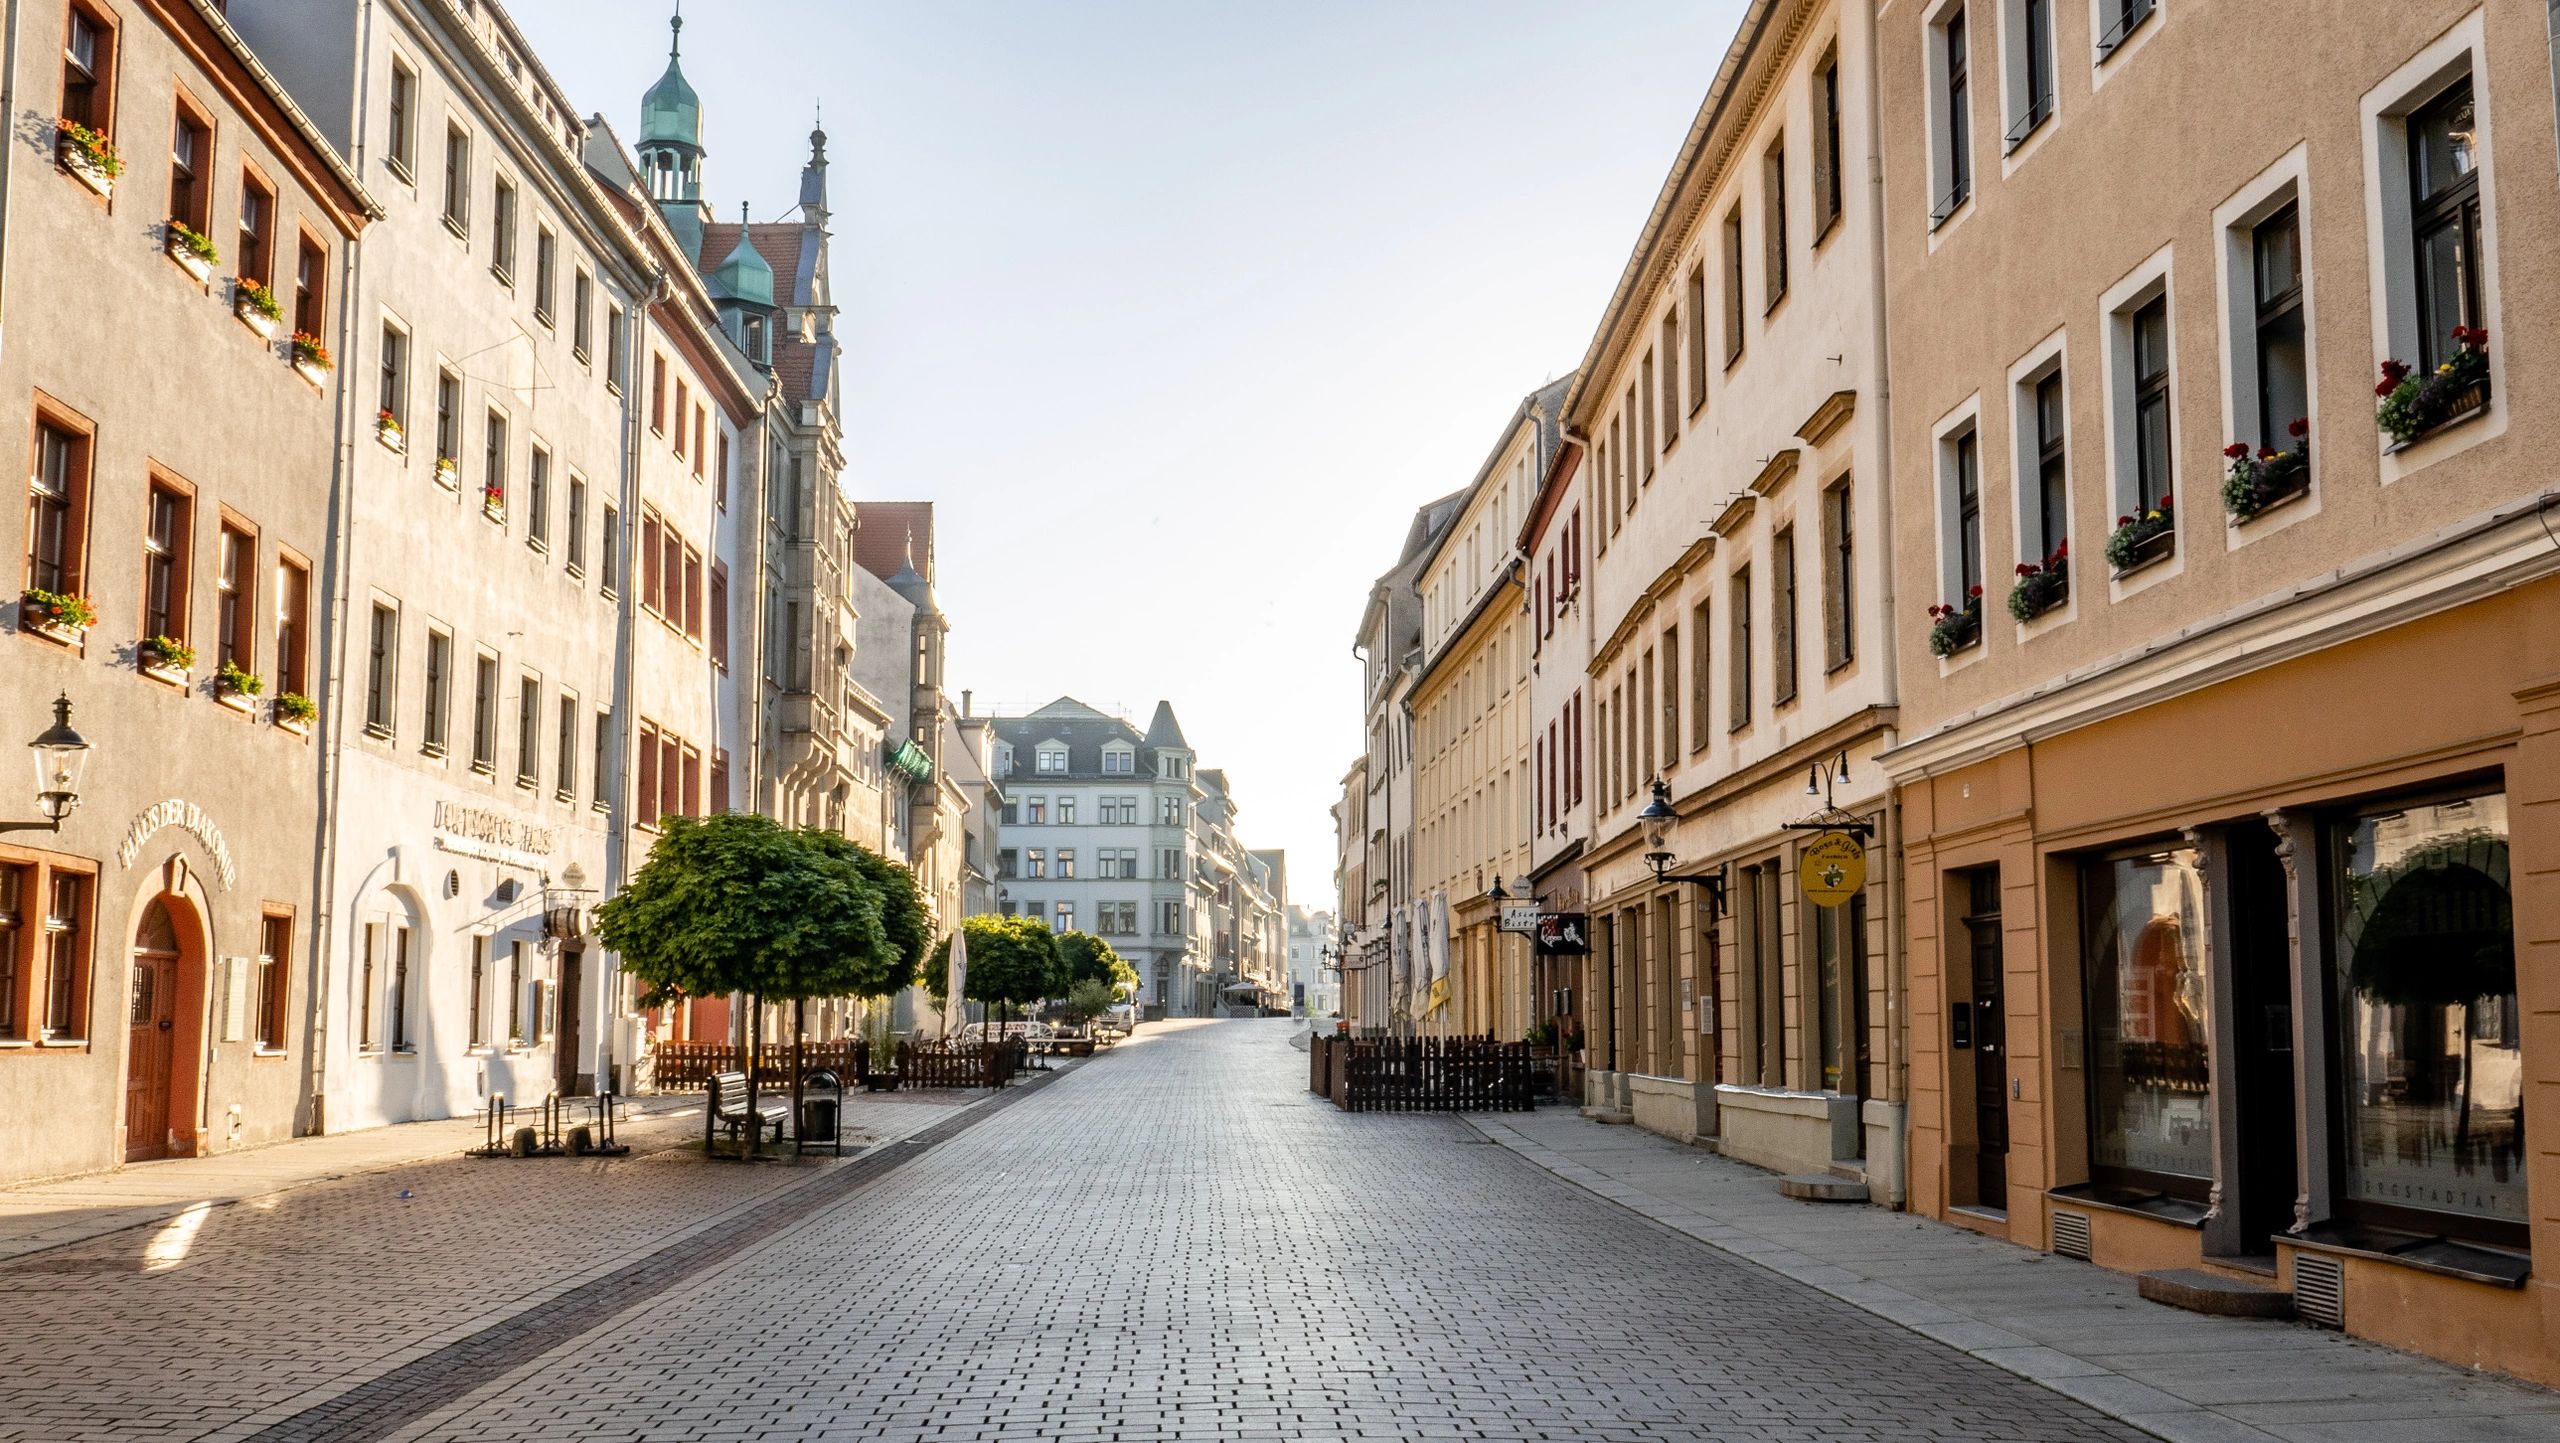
{"x": 755, "y": 347}
{"x": 1052, "y": 760}
{"x": 1119, "y": 761}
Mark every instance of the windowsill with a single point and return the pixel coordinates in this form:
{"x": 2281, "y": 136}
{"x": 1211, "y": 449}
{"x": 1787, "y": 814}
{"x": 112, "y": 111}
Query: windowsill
{"x": 268, "y": 1054}
{"x": 576, "y": 571}
{"x": 378, "y": 733}
{"x": 448, "y": 477}
{"x": 486, "y": 769}
{"x": 199, "y": 271}
{"x": 165, "y": 675}
{"x": 403, "y": 1054}
{"x": 2110, "y": 50}
{"x": 240, "y": 702}
{"x": 545, "y": 318}
{"x": 460, "y": 231}
{"x": 2445, "y": 1257}
{"x": 503, "y": 276}
{"x": 2151, "y": 556}
{"x": 564, "y": 796}
{"x": 1825, "y": 231}
{"x": 2135, "y": 1202}
{"x": 400, "y": 172}
{"x": 579, "y": 355}
{"x": 536, "y": 543}
{"x": 613, "y": 386}
{"x": 65, "y": 1043}
{"x": 2278, "y": 502}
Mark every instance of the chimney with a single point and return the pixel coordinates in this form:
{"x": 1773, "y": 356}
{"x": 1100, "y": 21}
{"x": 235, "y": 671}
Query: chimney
{"x": 964, "y": 702}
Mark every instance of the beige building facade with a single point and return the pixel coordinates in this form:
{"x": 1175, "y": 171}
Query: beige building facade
{"x": 2229, "y": 778}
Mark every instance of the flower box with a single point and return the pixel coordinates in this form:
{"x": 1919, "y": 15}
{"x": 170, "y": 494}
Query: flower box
{"x": 56, "y": 616}
{"x": 87, "y": 156}
{"x": 2040, "y": 588}
{"x": 2461, "y": 406}
{"x": 388, "y": 432}
{"x": 50, "y": 629}
{"x": 446, "y": 472}
{"x": 188, "y": 260}
{"x": 494, "y": 510}
{"x": 151, "y": 664}
{"x": 240, "y": 702}
{"x": 165, "y": 658}
{"x": 2413, "y": 407}
{"x": 299, "y": 726}
{"x": 1953, "y": 629}
{"x": 294, "y": 712}
{"x": 257, "y": 307}
{"x": 2143, "y": 540}
{"x": 311, "y": 357}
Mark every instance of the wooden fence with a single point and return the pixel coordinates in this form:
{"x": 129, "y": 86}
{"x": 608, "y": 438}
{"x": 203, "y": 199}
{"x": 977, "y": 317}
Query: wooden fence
{"x": 1422, "y": 1074}
{"x": 684, "y": 1065}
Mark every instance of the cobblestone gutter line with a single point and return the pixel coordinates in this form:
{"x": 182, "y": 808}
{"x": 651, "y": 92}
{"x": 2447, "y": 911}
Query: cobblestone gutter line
{"x": 380, "y": 1405}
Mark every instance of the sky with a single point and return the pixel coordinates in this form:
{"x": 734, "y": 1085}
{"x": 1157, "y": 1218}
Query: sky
{"x": 1179, "y": 308}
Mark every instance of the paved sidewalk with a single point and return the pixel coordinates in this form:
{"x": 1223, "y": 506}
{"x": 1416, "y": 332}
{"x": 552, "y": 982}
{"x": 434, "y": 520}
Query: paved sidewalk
{"x": 2077, "y": 1329}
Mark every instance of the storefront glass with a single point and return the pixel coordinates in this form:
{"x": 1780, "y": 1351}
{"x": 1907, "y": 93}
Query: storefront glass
{"x": 2150, "y": 1098}
{"x": 2431, "y": 1076}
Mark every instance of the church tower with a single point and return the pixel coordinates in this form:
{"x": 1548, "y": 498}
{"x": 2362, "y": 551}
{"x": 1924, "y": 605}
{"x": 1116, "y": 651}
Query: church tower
{"x": 671, "y": 147}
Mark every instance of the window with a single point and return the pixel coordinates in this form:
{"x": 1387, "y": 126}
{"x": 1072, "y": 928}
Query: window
{"x": 484, "y": 715}
{"x": 2151, "y": 438}
{"x": 1007, "y": 860}
{"x": 582, "y": 313}
{"x": 564, "y": 767}
{"x": 2430, "y": 1077}
{"x": 436, "y": 723}
{"x": 392, "y": 398}
{"x": 2122, "y": 18}
{"x": 1773, "y": 225}
{"x": 310, "y": 286}
{"x": 515, "y": 994}
{"x": 2284, "y": 379}
{"x": 693, "y": 593}
{"x": 1168, "y": 924}
{"x": 658, "y": 394}
{"x": 1761, "y": 958}
{"x": 2444, "y": 195}
{"x": 164, "y": 562}
{"x": 479, "y": 998}
{"x": 457, "y": 180}
{"x": 17, "y": 884}
{"x": 1953, "y": 175}
{"x": 1052, "y": 760}
{"x": 400, "y": 990}
{"x": 1066, "y": 917}
{"x": 1738, "y": 698}
{"x": 293, "y": 627}
{"x": 1697, "y": 337}
{"x": 529, "y": 731}
{"x": 546, "y": 273}
{"x": 367, "y": 1039}
{"x": 382, "y": 661}
{"x": 2030, "y": 70}
{"x": 448, "y": 418}
{"x": 1119, "y": 763}
{"x": 720, "y": 470}
{"x": 235, "y": 592}
{"x": 1116, "y": 919}
{"x": 701, "y": 453}
{"x": 610, "y": 555}
{"x": 537, "y": 500}
{"x": 88, "y": 70}
{"x": 400, "y": 130}
{"x": 2147, "y": 991}
{"x": 1733, "y": 285}
{"x": 1066, "y": 811}
{"x": 684, "y": 403}
{"x": 1700, "y": 654}
{"x": 1168, "y": 864}
{"x": 653, "y": 564}
{"x": 1036, "y": 862}
{"x": 1826, "y": 145}
{"x": 493, "y": 463}
{"x": 719, "y": 609}
{"x": 1037, "y": 811}
{"x": 1964, "y": 508}
{"x": 576, "y": 524}
{"x": 275, "y": 976}
{"x": 604, "y": 758}
{"x": 1782, "y": 616}
{"x": 502, "y": 230}
{"x": 190, "y": 152}
{"x": 255, "y": 252}
{"x": 649, "y": 805}
{"x": 720, "y": 785}
{"x": 1171, "y": 812}
{"x": 58, "y": 509}
{"x": 1651, "y": 429}
{"x": 1839, "y": 958}
{"x": 692, "y": 774}
{"x": 66, "y": 955}
{"x": 1839, "y": 576}
{"x": 1670, "y": 697}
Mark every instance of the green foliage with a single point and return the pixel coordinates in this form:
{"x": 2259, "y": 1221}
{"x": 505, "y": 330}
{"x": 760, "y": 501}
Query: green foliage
{"x": 908, "y": 930}
{"x": 1011, "y": 959}
{"x": 1089, "y": 999}
{"x": 737, "y": 903}
{"x": 293, "y": 706}
{"x": 232, "y": 677}
{"x": 1088, "y": 958}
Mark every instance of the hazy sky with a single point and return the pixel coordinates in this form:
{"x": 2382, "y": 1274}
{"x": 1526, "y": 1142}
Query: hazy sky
{"x": 1179, "y": 308}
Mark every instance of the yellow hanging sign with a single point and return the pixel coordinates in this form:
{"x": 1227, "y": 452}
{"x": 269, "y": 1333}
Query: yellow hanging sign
{"x": 1832, "y": 869}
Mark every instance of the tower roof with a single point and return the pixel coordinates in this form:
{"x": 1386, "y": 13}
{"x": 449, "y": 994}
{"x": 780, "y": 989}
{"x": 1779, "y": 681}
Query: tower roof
{"x": 1164, "y": 731}
{"x": 744, "y": 275}
{"x": 671, "y": 112}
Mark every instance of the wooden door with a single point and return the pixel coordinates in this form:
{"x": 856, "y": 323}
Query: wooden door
{"x": 152, "y": 1049}
{"x": 1990, "y": 1050}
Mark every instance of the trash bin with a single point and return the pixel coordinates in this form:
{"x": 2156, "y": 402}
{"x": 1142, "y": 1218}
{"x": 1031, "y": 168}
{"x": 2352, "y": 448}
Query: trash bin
{"x": 818, "y": 1115}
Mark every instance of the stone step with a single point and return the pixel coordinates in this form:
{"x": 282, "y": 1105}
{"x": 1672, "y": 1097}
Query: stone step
{"x": 1614, "y": 1116}
{"x": 1822, "y": 1187}
{"x": 2219, "y": 1294}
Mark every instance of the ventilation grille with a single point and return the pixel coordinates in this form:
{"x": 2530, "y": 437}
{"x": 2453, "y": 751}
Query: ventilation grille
{"x": 2320, "y": 1290}
{"x": 2071, "y": 1234}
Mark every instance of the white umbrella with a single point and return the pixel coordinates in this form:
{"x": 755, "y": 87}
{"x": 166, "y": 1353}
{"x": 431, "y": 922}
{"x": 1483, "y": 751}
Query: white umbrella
{"x": 956, "y": 1010}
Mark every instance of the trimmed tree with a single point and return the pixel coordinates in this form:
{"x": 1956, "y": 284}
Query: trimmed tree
{"x": 736, "y": 903}
{"x": 1012, "y": 960}
{"x": 1089, "y": 999}
{"x": 1088, "y": 958}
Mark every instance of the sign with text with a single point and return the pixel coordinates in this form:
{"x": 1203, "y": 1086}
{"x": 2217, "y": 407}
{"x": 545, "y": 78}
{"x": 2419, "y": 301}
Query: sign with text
{"x": 1564, "y": 934}
{"x": 1520, "y": 916}
{"x": 1832, "y": 869}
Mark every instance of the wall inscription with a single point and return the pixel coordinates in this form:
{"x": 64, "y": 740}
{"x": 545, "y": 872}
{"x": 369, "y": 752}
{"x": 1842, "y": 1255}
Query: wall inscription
{"x": 491, "y": 836}
{"x": 188, "y": 818}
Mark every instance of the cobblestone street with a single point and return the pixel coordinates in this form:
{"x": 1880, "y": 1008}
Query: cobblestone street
{"x": 1173, "y": 1241}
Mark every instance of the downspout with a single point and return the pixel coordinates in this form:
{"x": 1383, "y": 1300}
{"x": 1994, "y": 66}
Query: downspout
{"x": 336, "y": 569}
{"x": 8, "y": 154}
{"x": 1896, "y": 922}
{"x": 617, "y": 831}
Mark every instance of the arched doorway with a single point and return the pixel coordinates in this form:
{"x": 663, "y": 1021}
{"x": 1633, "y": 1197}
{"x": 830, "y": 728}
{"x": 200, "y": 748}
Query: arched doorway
{"x": 151, "y": 1056}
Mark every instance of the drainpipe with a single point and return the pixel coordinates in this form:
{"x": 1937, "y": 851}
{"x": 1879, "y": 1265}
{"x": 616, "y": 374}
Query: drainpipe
{"x": 335, "y": 572}
{"x": 8, "y": 154}
{"x": 617, "y": 839}
{"x": 1879, "y": 369}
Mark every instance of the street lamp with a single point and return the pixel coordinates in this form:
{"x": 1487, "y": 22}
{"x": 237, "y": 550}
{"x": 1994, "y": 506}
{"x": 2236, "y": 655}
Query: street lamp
{"x": 1657, "y": 816}
{"x": 61, "y": 755}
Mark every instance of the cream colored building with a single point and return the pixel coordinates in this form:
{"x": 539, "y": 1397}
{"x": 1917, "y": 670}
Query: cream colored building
{"x": 1470, "y": 723}
{"x": 2197, "y": 853}
{"x": 1732, "y": 405}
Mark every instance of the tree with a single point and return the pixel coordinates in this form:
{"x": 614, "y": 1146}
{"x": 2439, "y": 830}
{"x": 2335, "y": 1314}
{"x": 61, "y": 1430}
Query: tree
{"x": 738, "y": 903}
{"x": 1089, "y": 999}
{"x": 1011, "y": 960}
{"x": 1088, "y": 958}
{"x": 903, "y": 922}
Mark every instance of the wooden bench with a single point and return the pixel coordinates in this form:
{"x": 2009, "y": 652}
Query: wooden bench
{"x": 725, "y": 1106}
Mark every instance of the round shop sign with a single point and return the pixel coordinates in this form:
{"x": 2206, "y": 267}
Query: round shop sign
{"x": 1832, "y": 869}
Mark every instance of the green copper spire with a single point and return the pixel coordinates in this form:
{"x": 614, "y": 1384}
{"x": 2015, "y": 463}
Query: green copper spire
{"x": 671, "y": 112}
{"x": 745, "y": 275}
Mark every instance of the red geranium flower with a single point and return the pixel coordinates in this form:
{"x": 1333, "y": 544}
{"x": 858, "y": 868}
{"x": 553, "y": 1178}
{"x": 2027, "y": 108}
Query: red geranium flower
{"x": 1972, "y": 592}
{"x": 2236, "y": 450}
{"x": 2300, "y": 427}
{"x": 2124, "y": 521}
{"x": 2168, "y": 501}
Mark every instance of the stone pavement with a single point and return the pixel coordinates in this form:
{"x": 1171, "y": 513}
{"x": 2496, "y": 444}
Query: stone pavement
{"x": 2077, "y": 1329}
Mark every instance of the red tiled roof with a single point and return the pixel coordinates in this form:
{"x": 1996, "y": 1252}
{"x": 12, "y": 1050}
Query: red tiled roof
{"x": 880, "y": 533}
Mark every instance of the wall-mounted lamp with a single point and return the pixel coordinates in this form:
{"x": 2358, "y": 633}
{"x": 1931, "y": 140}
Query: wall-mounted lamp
{"x": 1657, "y": 816}
{"x": 61, "y": 754}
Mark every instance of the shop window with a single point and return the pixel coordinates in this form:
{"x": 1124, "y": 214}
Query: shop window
{"x": 2143, "y": 969}
{"x": 2430, "y": 1070}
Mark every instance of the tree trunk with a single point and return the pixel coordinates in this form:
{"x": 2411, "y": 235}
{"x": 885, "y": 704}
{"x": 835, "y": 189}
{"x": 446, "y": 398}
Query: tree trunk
{"x": 754, "y": 1129}
{"x": 799, "y": 1029}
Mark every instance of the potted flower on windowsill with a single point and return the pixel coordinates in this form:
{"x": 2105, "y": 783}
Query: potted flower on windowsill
{"x": 192, "y": 249}
{"x": 2268, "y": 478}
{"x": 165, "y": 657}
{"x": 55, "y": 614}
{"x": 87, "y": 155}
{"x": 447, "y": 469}
{"x": 493, "y": 501}
{"x": 312, "y": 358}
{"x": 294, "y": 712}
{"x": 1953, "y": 628}
{"x": 2041, "y": 586}
{"x": 2414, "y": 405}
{"x": 2144, "y": 538}
{"x": 256, "y": 305}
{"x": 386, "y": 429}
{"x": 236, "y": 688}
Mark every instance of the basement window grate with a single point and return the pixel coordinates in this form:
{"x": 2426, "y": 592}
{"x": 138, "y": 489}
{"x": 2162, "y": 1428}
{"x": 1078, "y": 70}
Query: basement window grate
{"x": 2071, "y": 1234}
{"x": 2320, "y": 1290}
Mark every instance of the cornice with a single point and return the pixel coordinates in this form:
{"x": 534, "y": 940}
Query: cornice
{"x": 1828, "y": 418}
{"x": 1663, "y": 584}
{"x": 1736, "y": 511}
{"x": 1780, "y": 470}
